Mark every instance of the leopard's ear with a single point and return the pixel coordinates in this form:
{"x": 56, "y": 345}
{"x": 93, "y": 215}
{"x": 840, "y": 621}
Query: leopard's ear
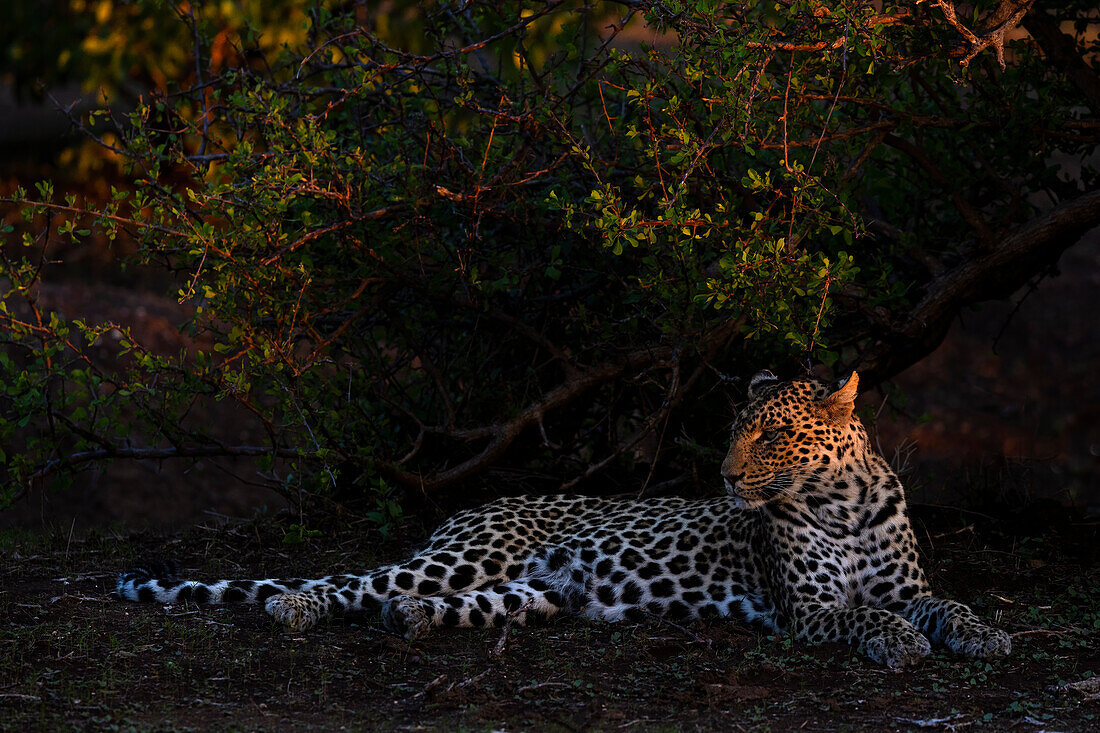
{"x": 759, "y": 380}
{"x": 838, "y": 406}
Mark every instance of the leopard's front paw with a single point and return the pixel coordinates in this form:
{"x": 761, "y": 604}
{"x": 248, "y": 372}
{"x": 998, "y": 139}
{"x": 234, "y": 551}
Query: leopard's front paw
{"x": 897, "y": 649}
{"x": 405, "y": 615}
{"x": 978, "y": 640}
{"x": 300, "y": 611}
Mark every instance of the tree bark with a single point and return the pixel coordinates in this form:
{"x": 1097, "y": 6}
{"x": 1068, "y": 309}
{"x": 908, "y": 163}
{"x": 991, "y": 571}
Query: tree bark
{"x": 987, "y": 275}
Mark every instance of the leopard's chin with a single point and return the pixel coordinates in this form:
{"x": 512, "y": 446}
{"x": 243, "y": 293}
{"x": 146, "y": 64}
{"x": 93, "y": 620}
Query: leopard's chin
{"x": 745, "y": 500}
{"x": 747, "y": 504}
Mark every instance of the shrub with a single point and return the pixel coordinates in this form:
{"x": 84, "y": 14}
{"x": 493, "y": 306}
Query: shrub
{"x": 534, "y": 240}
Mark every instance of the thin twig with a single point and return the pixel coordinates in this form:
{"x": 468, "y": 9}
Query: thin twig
{"x": 512, "y": 617}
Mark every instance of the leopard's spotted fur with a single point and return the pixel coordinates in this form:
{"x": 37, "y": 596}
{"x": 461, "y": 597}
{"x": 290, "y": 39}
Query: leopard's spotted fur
{"x": 811, "y": 539}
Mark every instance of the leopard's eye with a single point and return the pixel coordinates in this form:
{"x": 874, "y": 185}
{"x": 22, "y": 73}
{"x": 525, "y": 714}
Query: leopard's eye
{"x": 769, "y": 436}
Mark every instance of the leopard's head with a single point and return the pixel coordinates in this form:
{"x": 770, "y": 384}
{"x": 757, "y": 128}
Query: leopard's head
{"x": 788, "y": 432}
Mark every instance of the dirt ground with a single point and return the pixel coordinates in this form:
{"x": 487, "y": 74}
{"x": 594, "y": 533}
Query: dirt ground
{"x": 73, "y": 657}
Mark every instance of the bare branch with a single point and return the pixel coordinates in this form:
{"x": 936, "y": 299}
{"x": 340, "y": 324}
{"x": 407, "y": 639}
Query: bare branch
{"x": 998, "y": 273}
{"x": 972, "y": 216}
{"x": 143, "y": 454}
{"x": 994, "y": 26}
{"x": 501, "y": 435}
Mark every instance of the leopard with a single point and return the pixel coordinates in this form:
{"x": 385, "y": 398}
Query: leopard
{"x": 810, "y": 538}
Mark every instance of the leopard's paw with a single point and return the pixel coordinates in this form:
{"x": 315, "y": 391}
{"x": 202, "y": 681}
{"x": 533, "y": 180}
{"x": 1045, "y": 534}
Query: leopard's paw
{"x": 898, "y": 649}
{"x": 405, "y": 615}
{"x": 300, "y": 611}
{"x": 978, "y": 640}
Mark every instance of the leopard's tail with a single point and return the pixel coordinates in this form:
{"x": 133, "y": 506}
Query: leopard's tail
{"x": 158, "y": 582}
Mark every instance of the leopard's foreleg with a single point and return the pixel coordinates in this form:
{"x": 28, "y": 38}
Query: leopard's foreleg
{"x": 885, "y": 637}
